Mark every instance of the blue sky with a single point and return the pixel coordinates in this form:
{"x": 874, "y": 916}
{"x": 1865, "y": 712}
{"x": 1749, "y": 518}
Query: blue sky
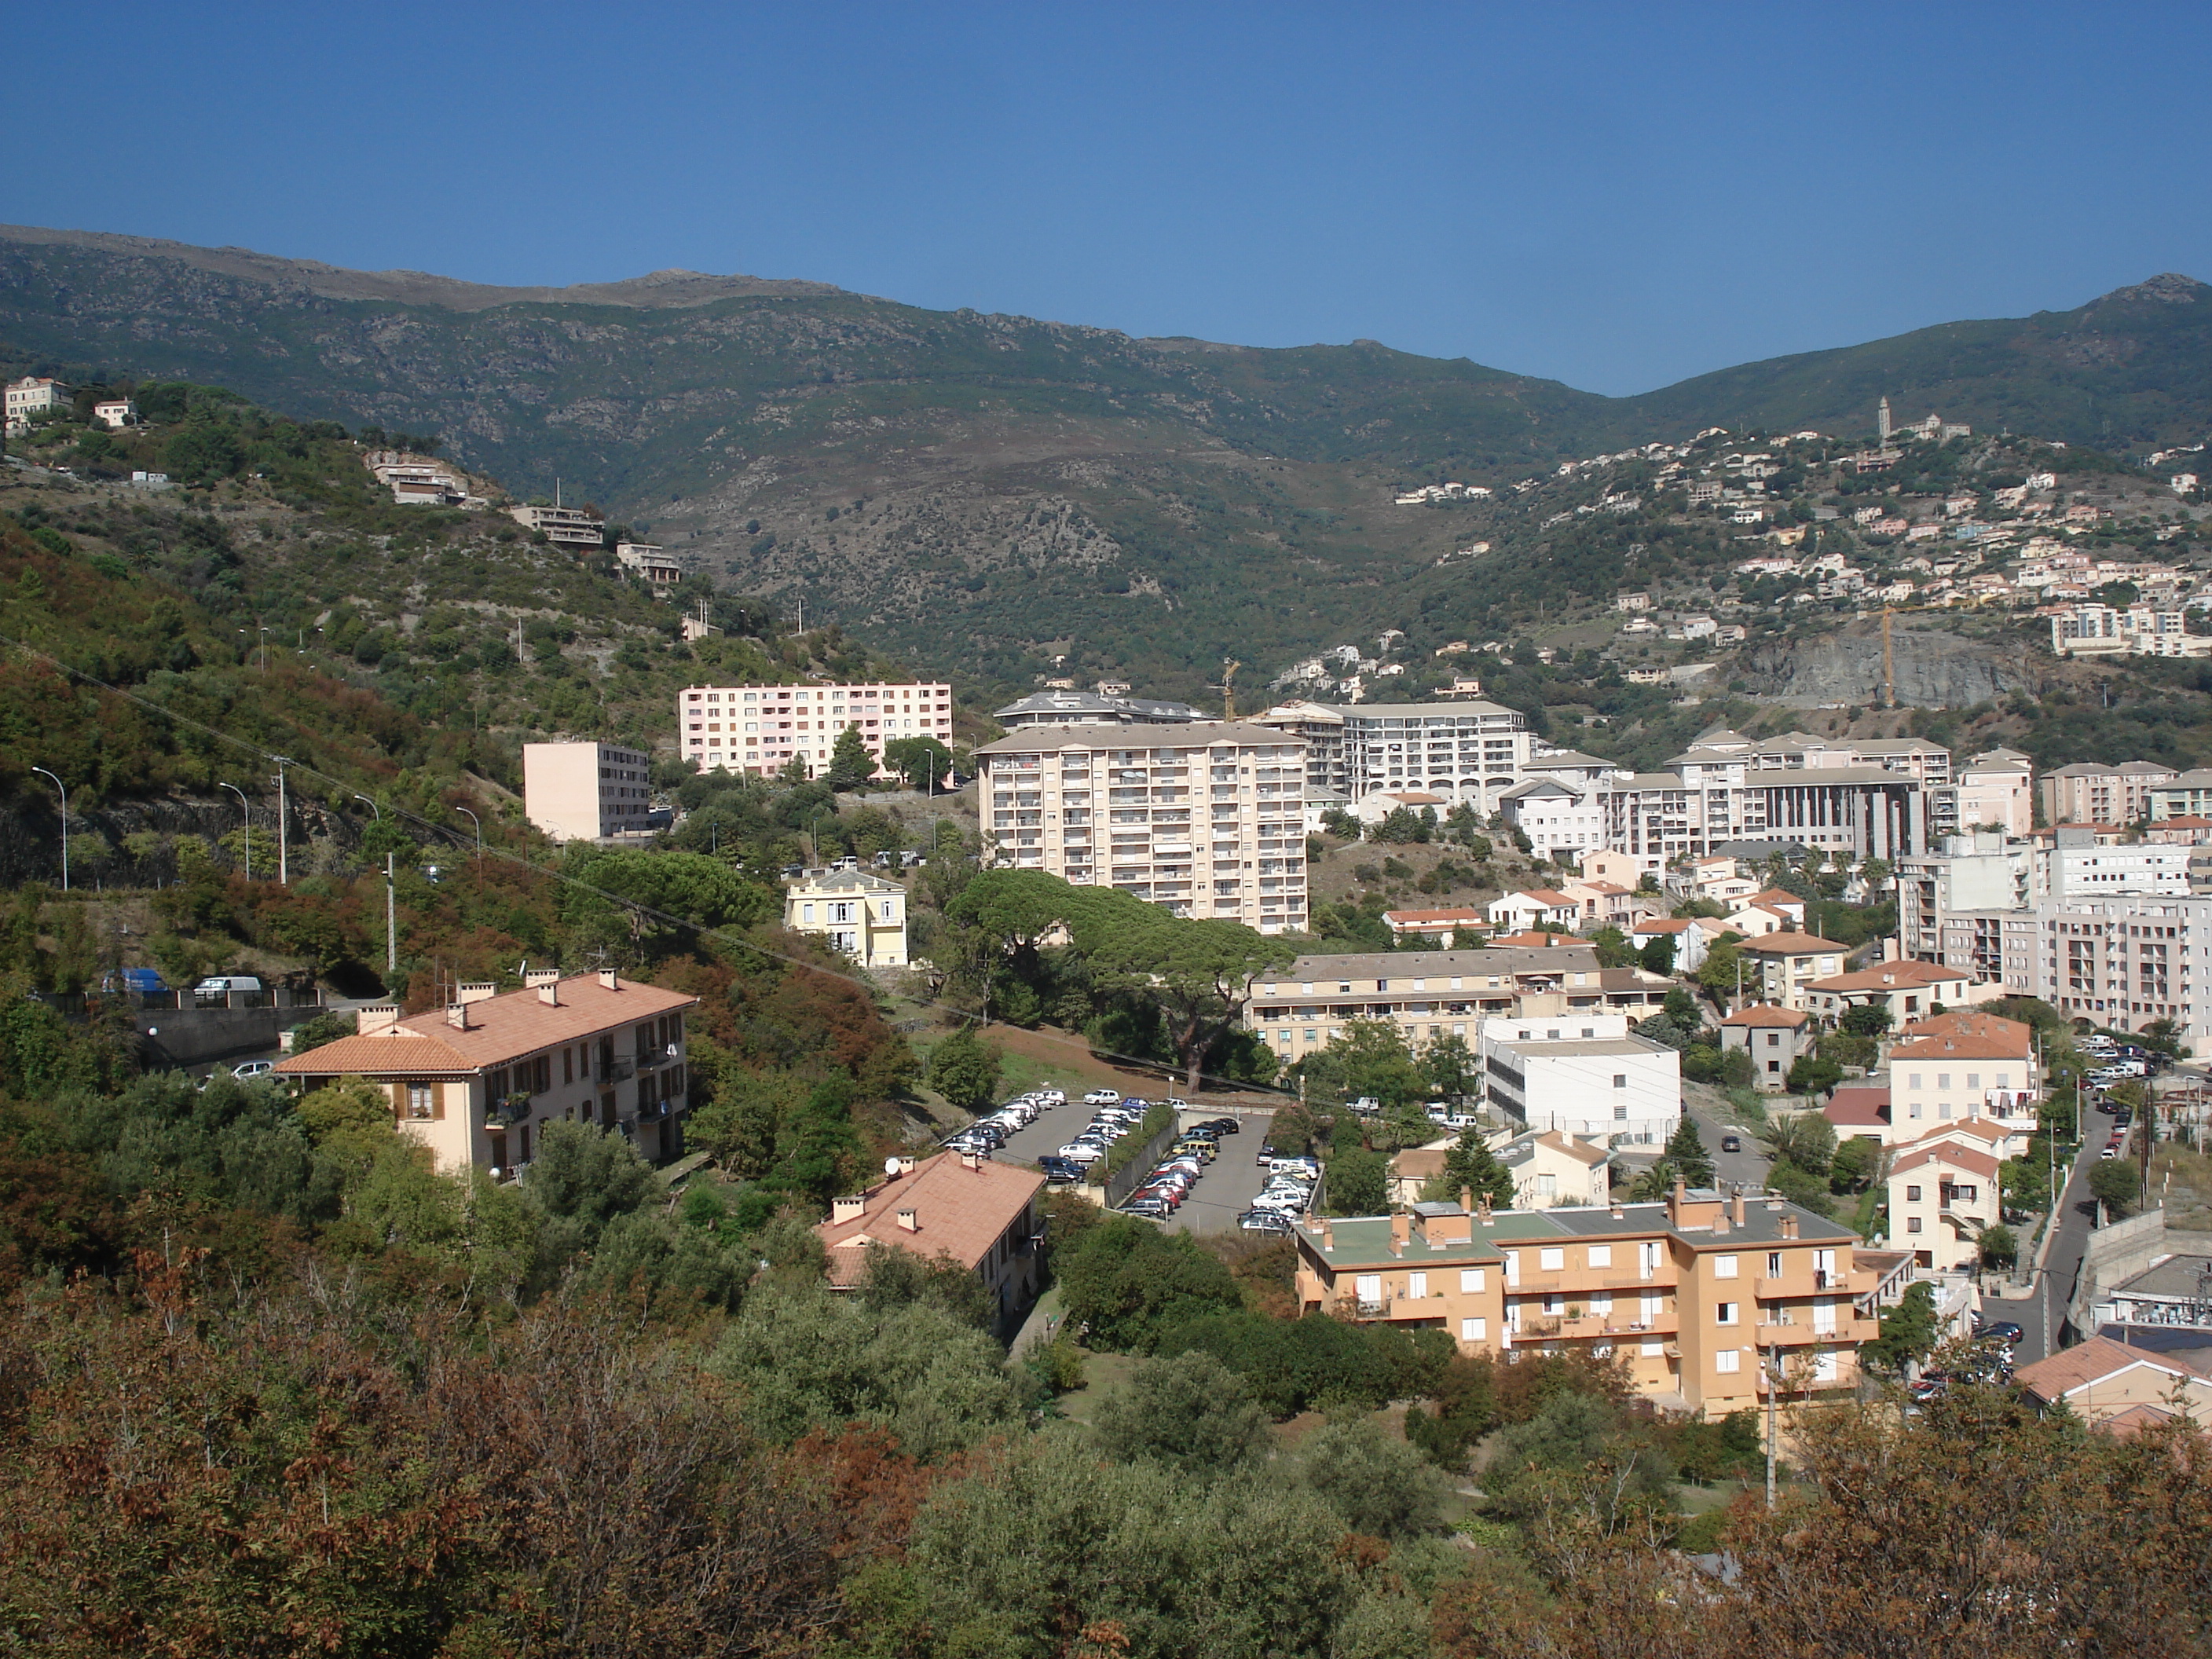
{"x": 1617, "y": 196}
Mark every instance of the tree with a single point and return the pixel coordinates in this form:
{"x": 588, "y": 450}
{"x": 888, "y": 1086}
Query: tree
{"x": 1129, "y": 1282}
{"x": 1869, "y": 1019}
{"x": 1805, "y": 1139}
{"x": 1357, "y": 1183}
{"x": 1999, "y": 1248}
{"x": 1613, "y": 950}
{"x": 582, "y": 1178}
{"x": 1908, "y": 1330}
{"x": 2115, "y": 1184}
{"x": 965, "y": 1069}
{"x": 1376, "y": 1062}
{"x": 922, "y": 763}
{"x": 1855, "y": 1164}
{"x": 1189, "y": 1413}
{"x": 1658, "y": 955}
{"x": 1470, "y": 1166}
{"x": 1718, "y": 972}
{"x": 1450, "y": 1065}
{"x": 1686, "y": 1151}
{"x": 851, "y": 765}
{"x": 1381, "y": 1486}
{"x": 1812, "y": 1074}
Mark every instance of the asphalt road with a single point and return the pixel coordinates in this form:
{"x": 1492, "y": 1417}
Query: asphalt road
{"x": 1749, "y": 1166}
{"x": 2041, "y": 1314}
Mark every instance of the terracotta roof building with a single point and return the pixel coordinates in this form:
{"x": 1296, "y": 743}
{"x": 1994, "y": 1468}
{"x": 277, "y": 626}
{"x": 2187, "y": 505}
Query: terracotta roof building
{"x": 1437, "y": 925}
{"x": 978, "y": 1213}
{"x": 1772, "y": 1036}
{"x": 474, "y": 1081}
{"x": 2108, "y": 1384}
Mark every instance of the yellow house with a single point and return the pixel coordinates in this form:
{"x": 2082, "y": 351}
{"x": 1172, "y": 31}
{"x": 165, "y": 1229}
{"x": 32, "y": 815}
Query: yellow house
{"x": 862, "y": 915}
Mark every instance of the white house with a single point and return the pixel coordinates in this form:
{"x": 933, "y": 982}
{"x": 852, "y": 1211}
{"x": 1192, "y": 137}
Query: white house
{"x": 1538, "y": 910}
{"x": 1582, "y": 1074}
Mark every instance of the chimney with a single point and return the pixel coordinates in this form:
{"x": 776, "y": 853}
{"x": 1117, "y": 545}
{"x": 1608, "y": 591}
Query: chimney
{"x": 1401, "y": 1230}
{"x": 1467, "y": 1200}
{"x": 1788, "y": 1224}
{"x": 1328, "y": 1235}
{"x": 457, "y": 1016}
{"x": 905, "y": 1168}
{"x": 1736, "y": 1207}
{"x": 477, "y": 990}
{"x": 1676, "y": 1201}
{"x": 1619, "y": 1213}
{"x": 381, "y": 1020}
{"x": 607, "y": 978}
{"x": 847, "y": 1209}
{"x": 546, "y": 982}
{"x": 907, "y": 1220}
{"x": 549, "y": 993}
{"x": 1485, "y": 1211}
{"x": 971, "y": 1161}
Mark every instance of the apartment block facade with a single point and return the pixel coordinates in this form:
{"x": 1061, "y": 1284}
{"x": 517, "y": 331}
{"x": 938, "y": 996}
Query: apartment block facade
{"x": 479, "y": 1081}
{"x": 1429, "y": 994}
{"x": 1205, "y": 819}
{"x": 1466, "y": 750}
{"x": 587, "y": 791}
{"x": 2125, "y": 961}
{"x": 761, "y": 729}
{"x": 1704, "y": 1297}
{"x": 1587, "y": 1075}
{"x": 2092, "y": 794}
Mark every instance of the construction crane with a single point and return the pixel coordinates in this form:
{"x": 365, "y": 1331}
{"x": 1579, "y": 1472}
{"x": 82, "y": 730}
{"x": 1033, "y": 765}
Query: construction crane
{"x": 1228, "y": 667}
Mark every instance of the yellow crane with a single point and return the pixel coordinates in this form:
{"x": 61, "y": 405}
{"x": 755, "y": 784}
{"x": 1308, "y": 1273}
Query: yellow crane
{"x": 1228, "y": 667}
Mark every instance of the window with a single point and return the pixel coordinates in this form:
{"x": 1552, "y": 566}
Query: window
{"x": 1912, "y": 1224}
{"x": 1551, "y": 1261}
{"x": 1600, "y": 1256}
{"x": 1774, "y": 1264}
{"x": 422, "y": 1100}
{"x": 1620, "y": 1112}
{"x": 1724, "y": 1267}
{"x": 1417, "y": 1285}
{"x": 1912, "y": 1195}
{"x": 1473, "y": 1330}
{"x": 1724, "y": 1313}
{"x": 1727, "y": 1361}
{"x": 1470, "y": 1281}
{"x": 1774, "y": 1039}
{"x": 1621, "y": 1079}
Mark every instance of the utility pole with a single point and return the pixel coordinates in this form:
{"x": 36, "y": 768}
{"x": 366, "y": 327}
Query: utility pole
{"x": 64, "y": 788}
{"x": 283, "y": 848}
{"x": 1773, "y": 1388}
{"x": 248, "y": 836}
{"x": 391, "y": 923}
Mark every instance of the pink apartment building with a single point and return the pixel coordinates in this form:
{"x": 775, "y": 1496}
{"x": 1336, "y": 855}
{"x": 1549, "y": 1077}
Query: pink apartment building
{"x": 760, "y": 728}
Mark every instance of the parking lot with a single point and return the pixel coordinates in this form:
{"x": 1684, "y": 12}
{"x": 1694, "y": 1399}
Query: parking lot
{"x": 1225, "y": 1192}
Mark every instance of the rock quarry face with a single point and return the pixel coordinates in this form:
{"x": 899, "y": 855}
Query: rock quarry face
{"x": 1934, "y": 669}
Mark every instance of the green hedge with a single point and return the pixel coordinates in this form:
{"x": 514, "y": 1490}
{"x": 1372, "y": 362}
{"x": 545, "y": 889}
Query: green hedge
{"x": 1158, "y": 1116}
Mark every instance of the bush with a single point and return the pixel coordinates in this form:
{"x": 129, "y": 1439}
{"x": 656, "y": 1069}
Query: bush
{"x": 1158, "y": 1117}
{"x": 2000, "y": 1249}
{"x": 2115, "y": 1184}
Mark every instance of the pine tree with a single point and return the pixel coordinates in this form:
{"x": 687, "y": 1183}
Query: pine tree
{"x": 851, "y": 765}
{"x": 1686, "y": 1151}
{"x": 1470, "y": 1166}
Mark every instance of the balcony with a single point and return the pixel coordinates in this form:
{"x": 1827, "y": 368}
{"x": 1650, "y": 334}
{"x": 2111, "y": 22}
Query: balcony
{"x": 615, "y": 1071}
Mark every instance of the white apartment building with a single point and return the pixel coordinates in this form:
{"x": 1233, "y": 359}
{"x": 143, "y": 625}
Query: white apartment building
{"x": 2090, "y": 794}
{"x": 2188, "y": 796}
{"x": 2077, "y": 864}
{"x": 862, "y": 915}
{"x": 2102, "y": 630}
{"x": 658, "y": 571}
{"x": 763, "y": 728}
{"x": 1997, "y": 787}
{"x": 34, "y": 394}
{"x": 2124, "y": 961}
{"x": 564, "y": 527}
{"x": 1981, "y": 871}
{"x": 1582, "y": 1075}
{"x": 587, "y": 791}
{"x": 1561, "y": 805}
{"x": 1204, "y": 819}
{"x": 1465, "y": 751}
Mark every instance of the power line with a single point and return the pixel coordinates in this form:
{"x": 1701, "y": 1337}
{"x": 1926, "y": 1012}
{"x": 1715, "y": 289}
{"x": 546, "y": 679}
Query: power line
{"x": 455, "y": 837}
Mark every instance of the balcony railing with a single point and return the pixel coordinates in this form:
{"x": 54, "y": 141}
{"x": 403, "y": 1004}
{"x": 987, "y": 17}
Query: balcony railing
{"x": 615, "y": 1071}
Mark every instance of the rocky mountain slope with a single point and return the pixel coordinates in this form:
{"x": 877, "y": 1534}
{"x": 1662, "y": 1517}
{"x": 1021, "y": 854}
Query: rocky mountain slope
{"x": 999, "y": 496}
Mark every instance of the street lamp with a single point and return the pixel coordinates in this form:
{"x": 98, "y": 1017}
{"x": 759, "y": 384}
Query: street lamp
{"x": 64, "y": 788}
{"x": 284, "y": 814}
{"x": 247, "y": 836}
{"x": 391, "y": 903}
{"x": 478, "y": 821}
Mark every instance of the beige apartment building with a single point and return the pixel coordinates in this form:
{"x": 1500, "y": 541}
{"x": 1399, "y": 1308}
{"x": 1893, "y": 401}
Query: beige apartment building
{"x": 564, "y": 527}
{"x": 1205, "y": 819}
{"x": 1702, "y": 1296}
{"x": 475, "y": 1081}
{"x": 35, "y": 394}
{"x": 1781, "y": 968}
{"x": 761, "y": 729}
{"x": 967, "y": 1208}
{"x": 587, "y": 791}
{"x": 862, "y": 915}
{"x": 2091, "y": 793}
{"x": 1434, "y": 994}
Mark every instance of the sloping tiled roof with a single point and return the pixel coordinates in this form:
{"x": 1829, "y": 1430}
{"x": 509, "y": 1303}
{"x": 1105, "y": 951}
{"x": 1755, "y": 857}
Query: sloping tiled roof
{"x": 1790, "y": 944}
{"x": 1662, "y": 925}
{"x": 960, "y": 1211}
{"x": 501, "y": 1029}
{"x": 371, "y": 1056}
{"x": 1774, "y": 898}
{"x": 1761, "y": 1014}
{"x": 1890, "y": 976}
{"x": 1964, "y": 1157}
{"x": 1965, "y": 1048}
{"x": 1974, "y": 1023}
{"x": 2094, "y": 1361}
{"x": 1859, "y": 1108}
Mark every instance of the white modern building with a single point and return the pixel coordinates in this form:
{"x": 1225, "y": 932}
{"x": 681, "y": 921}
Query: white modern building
{"x": 761, "y": 729}
{"x": 861, "y": 916}
{"x": 658, "y": 571}
{"x": 587, "y": 791}
{"x": 1205, "y": 819}
{"x": 1465, "y": 751}
{"x": 1582, "y": 1074}
{"x": 564, "y": 527}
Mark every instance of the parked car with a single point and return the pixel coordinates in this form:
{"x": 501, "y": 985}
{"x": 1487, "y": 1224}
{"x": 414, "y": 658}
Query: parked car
{"x": 2003, "y": 1330}
{"x": 1228, "y": 1126}
{"x": 253, "y": 1068}
{"x": 1365, "y": 1106}
{"x": 142, "y": 982}
{"x": 1082, "y": 1152}
{"x": 1102, "y": 1097}
{"x": 1266, "y": 1221}
{"x": 219, "y": 985}
{"x": 1155, "y": 1209}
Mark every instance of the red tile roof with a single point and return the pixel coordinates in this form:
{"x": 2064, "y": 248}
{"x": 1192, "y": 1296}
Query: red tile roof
{"x": 960, "y": 1211}
{"x": 1661, "y": 924}
{"x": 1973, "y": 1023}
{"x": 1763, "y": 1014}
{"x": 1860, "y": 1108}
{"x": 1918, "y": 1156}
{"x": 501, "y": 1029}
{"x": 2094, "y": 1361}
{"x": 1894, "y": 976}
{"x": 1790, "y": 944}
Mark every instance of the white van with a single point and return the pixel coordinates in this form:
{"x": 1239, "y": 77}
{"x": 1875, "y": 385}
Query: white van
{"x": 219, "y": 985}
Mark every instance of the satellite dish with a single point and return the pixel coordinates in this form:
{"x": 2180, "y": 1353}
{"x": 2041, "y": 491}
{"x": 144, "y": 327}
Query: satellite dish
{"x": 891, "y": 1166}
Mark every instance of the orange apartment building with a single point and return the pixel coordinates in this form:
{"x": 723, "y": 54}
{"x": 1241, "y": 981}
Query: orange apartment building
{"x": 1698, "y": 1295}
